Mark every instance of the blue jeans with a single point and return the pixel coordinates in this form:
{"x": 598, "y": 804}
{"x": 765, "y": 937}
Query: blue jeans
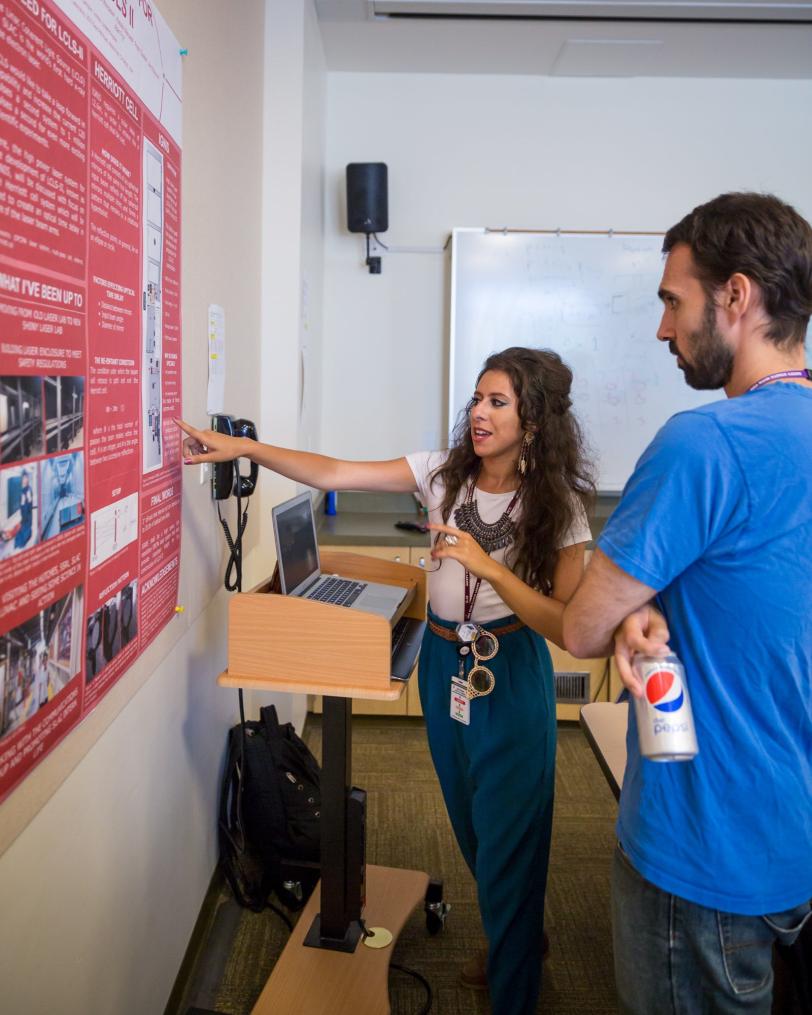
{"x": 674, "y": 957}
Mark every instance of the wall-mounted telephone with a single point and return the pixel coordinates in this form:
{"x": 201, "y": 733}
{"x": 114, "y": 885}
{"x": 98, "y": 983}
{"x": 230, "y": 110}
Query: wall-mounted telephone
{"x": 225, "y": 476}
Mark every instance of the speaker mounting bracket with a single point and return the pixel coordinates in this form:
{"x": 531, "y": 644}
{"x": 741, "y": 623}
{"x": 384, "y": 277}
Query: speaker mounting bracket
{"x": 373, "y": 263}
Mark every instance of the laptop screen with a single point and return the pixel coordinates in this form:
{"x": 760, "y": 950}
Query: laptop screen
{"x": 296, "y": 549}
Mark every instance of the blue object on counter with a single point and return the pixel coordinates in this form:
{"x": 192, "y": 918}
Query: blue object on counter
{"x": 331, "y": 503}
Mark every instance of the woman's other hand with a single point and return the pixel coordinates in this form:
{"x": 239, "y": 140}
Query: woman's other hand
{"x": 209, "y": 446}
{"x": 462, "y": 546}
{"x": 643, "y": 632}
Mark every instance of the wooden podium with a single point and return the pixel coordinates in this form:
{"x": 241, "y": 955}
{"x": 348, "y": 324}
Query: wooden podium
{"x": 282, "y": 643}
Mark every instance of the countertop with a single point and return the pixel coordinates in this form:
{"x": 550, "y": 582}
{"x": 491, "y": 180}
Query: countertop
{"x": 368, "y": 519}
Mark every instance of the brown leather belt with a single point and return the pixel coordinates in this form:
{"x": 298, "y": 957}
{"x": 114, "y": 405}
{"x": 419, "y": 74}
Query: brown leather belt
{"x": 450, "y": 634}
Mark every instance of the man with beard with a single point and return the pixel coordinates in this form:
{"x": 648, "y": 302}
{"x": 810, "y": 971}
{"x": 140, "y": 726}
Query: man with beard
{"x": 714, "y": 862}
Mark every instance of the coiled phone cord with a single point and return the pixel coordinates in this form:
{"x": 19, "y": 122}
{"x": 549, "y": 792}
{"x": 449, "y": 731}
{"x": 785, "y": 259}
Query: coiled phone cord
{"x": 235, "y": 546}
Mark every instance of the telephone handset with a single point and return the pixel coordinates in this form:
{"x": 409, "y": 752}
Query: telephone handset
{"x": 225, "y": 476}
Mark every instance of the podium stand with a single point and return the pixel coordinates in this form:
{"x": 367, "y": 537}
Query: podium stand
{"x": 283, "y": 643}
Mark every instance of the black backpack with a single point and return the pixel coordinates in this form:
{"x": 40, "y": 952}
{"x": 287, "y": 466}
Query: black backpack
{"x": 270, "y": 803}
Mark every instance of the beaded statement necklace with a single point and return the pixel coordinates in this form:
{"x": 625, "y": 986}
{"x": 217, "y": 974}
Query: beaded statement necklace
{"x": 490, "y": 535}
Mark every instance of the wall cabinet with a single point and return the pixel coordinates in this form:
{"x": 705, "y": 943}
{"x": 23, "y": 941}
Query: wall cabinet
{"x": 601, "y": 683}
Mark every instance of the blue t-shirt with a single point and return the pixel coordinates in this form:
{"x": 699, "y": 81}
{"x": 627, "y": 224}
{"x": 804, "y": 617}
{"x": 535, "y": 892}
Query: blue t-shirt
{"x": 718, "y": 518}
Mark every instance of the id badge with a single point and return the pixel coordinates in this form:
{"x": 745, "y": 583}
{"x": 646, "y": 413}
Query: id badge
{"x": 460, "y": 705}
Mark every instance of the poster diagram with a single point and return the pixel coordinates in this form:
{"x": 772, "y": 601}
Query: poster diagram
{"x": 89, "y": 358}
{"x": 113, "y": 527}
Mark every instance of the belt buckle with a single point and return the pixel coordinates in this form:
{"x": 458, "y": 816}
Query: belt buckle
{"x": 467, "y": 632}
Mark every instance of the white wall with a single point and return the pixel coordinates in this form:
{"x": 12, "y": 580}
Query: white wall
{"x": 577, "y": 153}
{"x": 291, "y": 275}
{"x": 100, "y": 891}
{"x": 312, "y": 275}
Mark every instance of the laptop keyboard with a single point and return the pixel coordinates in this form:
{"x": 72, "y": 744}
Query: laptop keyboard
{"x": 399, "y": 632}
{"x": 338, "y": 591}
{"x": 406, "y": 637}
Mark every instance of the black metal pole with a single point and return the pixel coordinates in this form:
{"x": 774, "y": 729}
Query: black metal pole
{"x": 333, "y": 927}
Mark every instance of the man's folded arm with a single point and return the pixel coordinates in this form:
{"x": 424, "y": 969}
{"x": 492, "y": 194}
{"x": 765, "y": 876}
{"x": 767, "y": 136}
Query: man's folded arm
{"x": 605, "y": 597}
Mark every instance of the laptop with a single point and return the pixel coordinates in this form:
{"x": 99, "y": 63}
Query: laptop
{"x": 297, "y": 554}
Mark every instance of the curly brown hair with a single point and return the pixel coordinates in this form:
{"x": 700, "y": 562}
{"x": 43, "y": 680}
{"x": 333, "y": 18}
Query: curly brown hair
{"x": 559, "y": 474}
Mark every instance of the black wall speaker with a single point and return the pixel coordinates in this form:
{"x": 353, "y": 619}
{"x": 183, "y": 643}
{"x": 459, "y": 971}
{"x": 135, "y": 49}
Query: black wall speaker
{"x": 367, "y": 198}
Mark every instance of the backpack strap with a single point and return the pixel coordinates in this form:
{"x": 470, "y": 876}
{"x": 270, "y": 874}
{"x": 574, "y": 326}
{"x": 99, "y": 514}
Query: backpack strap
{"x": 287, "y": 748}
{"x": 274, "y": 733}
{"x": 230, "y": 811}
{"x": 270, "y": 720}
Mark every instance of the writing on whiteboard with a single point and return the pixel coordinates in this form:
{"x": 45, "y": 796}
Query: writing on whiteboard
{"x": 593, "y": 300}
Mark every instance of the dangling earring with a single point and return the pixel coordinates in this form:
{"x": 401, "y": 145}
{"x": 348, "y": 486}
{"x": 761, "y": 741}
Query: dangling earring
{"x": 525, "y": 461}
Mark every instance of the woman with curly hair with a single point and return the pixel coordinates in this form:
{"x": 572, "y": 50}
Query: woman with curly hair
{"x": 508, "y": 503}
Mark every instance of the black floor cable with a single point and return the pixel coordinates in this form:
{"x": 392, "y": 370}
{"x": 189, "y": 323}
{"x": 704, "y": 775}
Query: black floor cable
{"x": 413, "y": 972}
{"x": 405, "y": 969}
{"x": 282, "y": 916}
{"x": 235, "y": 564}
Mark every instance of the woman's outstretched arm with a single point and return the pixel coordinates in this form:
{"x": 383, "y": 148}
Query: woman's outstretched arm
{"x": 324, "y": 473}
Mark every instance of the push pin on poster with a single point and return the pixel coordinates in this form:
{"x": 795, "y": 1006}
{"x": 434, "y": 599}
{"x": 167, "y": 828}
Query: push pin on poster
{"x": 184, "y": 52}
{"x": 179, "y": 609}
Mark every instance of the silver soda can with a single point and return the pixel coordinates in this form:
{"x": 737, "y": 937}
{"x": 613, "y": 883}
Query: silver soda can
{"x": 665, "y": 725}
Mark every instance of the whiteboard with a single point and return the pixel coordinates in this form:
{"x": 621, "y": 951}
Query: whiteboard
{"x": 593, "y": 299}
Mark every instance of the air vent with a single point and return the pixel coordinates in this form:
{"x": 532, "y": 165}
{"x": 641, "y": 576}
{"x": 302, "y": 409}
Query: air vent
{"x": 761, "y": 11}
{"x": 572, "y": 687}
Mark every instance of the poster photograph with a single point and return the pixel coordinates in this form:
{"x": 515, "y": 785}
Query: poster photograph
{"x": 90, "y": 198}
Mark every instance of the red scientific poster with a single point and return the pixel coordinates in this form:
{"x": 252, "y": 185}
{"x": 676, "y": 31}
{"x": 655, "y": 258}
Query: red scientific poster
{"x": 89, "y": 357}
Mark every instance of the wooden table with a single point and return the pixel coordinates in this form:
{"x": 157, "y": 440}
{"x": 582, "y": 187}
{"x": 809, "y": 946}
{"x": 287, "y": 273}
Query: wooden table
{"x": 604, "y": 725}
{"x": 318, "y": 981}
{"x": 284, "y": 643}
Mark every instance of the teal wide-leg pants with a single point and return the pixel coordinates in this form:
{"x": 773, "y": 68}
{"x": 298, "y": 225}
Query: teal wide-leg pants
{"x": 497, "y": 778}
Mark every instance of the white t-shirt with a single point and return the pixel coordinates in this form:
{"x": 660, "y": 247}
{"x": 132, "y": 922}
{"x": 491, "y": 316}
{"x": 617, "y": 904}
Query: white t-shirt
{"x": 447, "y": 584}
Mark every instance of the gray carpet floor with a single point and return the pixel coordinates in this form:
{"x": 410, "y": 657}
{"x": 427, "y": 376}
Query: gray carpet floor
{"x": 407, "y": 827}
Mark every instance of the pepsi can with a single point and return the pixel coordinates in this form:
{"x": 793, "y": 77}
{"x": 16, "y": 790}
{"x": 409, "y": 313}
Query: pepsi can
{"x": 665, "y": 725}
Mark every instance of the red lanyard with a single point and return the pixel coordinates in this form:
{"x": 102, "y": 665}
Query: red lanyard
{"x": 470, "y": 598}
